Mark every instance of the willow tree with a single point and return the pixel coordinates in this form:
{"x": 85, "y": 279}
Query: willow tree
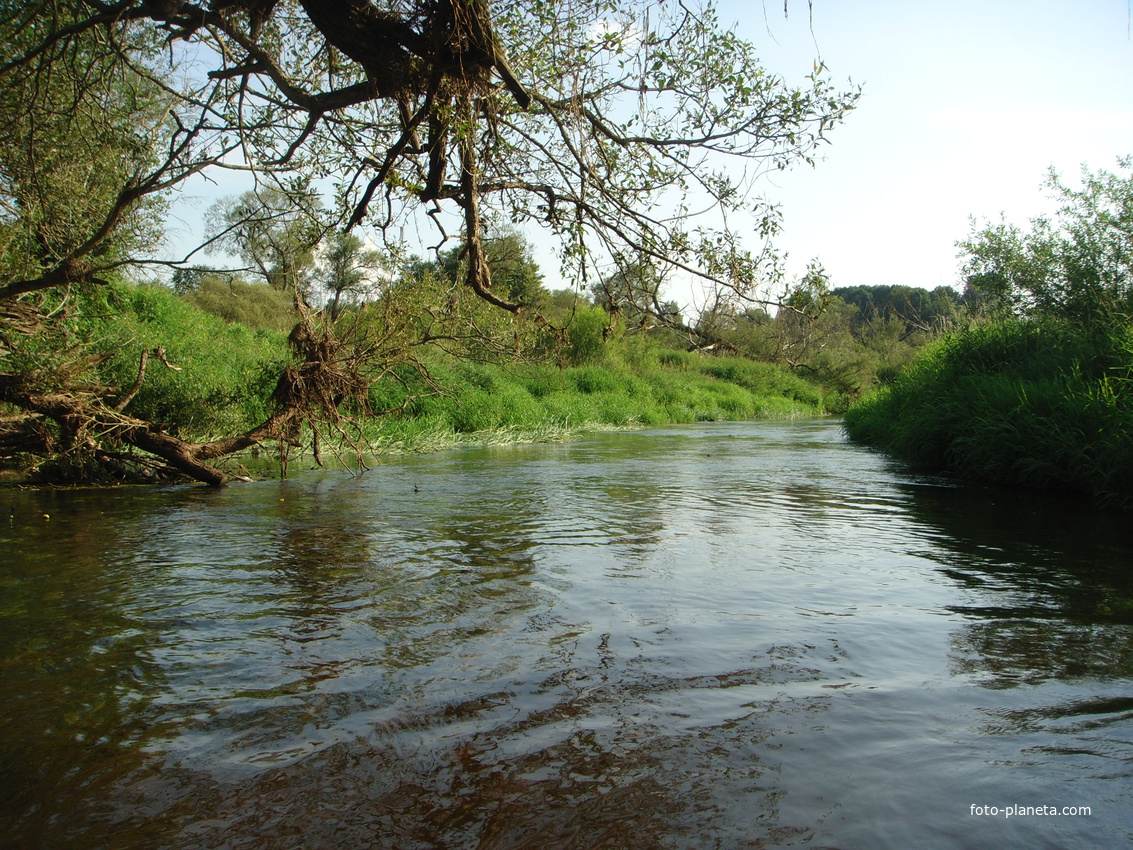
{"x": 608, "y": 123}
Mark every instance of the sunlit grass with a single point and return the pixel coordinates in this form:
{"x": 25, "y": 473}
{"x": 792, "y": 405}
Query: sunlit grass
{"x": 497, "y": 404}
{"x": 1038, "y": 404}
{"x": 229, "y": 372}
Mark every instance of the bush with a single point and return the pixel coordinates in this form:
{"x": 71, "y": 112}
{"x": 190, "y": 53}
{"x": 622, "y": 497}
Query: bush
{"x": 763, "y": 379}
{"x": 256, "y": 305}
{"x": 1036, "y": 403}
{"x": 586, "y": 334}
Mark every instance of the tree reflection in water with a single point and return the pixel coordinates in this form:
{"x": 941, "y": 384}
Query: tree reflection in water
{"x": 740, "y": 635}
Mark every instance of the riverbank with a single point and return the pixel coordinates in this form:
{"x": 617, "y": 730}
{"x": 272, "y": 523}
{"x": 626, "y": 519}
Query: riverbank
{"x": 217, "y": 378}
{"x": 480, "y": 404}
{"x": 489, "y": 403}
{"x": 1040, "y": 404}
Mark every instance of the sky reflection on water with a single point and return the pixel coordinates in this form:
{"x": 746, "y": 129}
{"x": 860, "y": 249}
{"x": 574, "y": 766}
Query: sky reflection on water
{"x": 751, "y": 634}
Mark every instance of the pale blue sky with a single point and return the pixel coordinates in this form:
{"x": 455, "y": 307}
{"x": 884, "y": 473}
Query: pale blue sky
{"x": 966, "y": 105}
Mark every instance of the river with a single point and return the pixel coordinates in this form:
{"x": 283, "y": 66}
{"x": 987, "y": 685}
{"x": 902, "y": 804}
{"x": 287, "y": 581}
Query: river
{"x": 725, "y": 635}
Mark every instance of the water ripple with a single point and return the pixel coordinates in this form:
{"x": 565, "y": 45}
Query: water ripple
{"x": 745, "y": 634}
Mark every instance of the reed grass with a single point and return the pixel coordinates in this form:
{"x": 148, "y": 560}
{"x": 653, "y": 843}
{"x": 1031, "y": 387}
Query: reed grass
{"x": 1039, "y": 404}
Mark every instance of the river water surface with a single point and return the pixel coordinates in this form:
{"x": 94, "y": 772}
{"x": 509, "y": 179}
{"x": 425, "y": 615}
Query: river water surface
{"x": 731, "y": 635}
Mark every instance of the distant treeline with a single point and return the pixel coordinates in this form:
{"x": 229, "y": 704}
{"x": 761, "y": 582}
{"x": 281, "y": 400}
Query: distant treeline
{"x": 920, "y": 309}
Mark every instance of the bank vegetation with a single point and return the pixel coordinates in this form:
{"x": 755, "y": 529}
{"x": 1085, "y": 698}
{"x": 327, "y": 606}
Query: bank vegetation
{"x": 1037, "y": 388}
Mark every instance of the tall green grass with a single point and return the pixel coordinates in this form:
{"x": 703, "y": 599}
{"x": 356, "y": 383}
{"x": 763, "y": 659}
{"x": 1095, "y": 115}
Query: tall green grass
{"x": 228, "y": 372}
{"x": 503, "y": 402}
{"x": 1040, "y": 404}
{"x": 225, "y": 371}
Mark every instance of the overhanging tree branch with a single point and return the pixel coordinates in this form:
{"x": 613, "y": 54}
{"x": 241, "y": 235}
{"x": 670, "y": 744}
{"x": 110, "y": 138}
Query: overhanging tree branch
{"x": 568, "y": 115}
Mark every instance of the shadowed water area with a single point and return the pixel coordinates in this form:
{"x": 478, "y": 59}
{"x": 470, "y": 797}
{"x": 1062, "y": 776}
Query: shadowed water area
{"x": 731, "y": 635}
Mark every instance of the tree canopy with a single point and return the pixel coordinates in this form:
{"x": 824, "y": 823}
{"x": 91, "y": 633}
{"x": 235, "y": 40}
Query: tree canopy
{"x": 917, "y": 308}
{"x": 623, "y": 128}
{"x": 1077, "y": 265}
{"x": 510, "y": 261}
{"x": 595, "y": 120}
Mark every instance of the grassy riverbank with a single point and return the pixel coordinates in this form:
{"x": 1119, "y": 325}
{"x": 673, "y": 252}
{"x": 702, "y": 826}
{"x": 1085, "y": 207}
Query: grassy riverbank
{"x": 1045, "y": 404}
{"x": 651, "y": 386}
{"x": 228, "y": 372}
{"x": 218, "y": 378}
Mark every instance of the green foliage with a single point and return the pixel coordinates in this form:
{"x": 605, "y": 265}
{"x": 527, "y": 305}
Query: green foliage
{"x": 530, "y": 399}
{"x": 679, "y": 361}
{"x": 592, "y": 380}
{"x": 918, "y": 309}
{"x": 77, "y": 127}
{"x": 515, "y": 274}
{"x": 1045, "y": 404}
{"x": 350, "y": 272}
{"x": 425, "y": 303}
{"x": 1043, "y": 395}
{"x": 393, "y": 111}
{"x": 256, "y": 305}
{"x": 586, "y": 334}
{"x": 274, "y": 230}
{"x": 1078, "y": 265}
{"x": 765, "y": 379}
{"x": 849, "y": 346}
{"x": 632, "y": 294}
{"x": 559, "y": 305}
{"x": 227, "y": 371}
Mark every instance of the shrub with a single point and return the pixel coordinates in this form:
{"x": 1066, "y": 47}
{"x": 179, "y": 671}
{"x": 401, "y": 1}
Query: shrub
{"x": 256, "y": 305}
{"x": 1037, "y": 403}
{"x": 585, "y": 335}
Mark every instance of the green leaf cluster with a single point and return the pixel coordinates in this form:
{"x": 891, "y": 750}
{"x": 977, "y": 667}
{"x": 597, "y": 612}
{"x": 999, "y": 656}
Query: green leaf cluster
{"x": 78, "y": 127}
{"x": 1077, "y": 265}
